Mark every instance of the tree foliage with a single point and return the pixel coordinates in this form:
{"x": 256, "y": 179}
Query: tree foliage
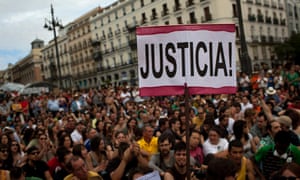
{"x": 289, "y": 50}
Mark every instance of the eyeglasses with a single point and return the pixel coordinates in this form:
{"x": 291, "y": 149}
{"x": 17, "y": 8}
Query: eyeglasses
{"x": 14, "y": 144}
{"x": 43, "y": 138}
{"x": 287, "y": 178}
{"x": 35, "y": 153}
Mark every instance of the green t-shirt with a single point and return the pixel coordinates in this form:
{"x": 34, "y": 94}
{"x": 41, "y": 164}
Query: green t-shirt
{"x": 262, "y": 152}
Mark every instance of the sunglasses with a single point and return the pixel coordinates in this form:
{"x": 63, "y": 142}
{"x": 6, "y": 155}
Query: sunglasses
{"x": 14, "y": 144}
{"x": 4, "y": 151}
{"x": 35, "y": 153}
{"x": 287, "y": 178}
{"x": 43, "y": 138}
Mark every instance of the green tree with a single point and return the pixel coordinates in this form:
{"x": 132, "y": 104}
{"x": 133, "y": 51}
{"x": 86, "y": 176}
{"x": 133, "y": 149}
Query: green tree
{"x": 289, "y": 50}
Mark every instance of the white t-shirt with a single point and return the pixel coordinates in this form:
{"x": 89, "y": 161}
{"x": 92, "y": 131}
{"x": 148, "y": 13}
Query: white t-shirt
{"x": 209, "y": 148}
{"x": 230, "y": 125}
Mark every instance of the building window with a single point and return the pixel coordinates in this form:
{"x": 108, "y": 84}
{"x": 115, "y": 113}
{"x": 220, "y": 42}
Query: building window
{"x": 237, "y": 32}
{"x": 234, "y": 10}
{"x": 124, "y": 11}
{"x": 207, "y": 14}
{"x": 179, "y": 20}
{"x": 193, "y": 19}
{"x": 142, "y": 3}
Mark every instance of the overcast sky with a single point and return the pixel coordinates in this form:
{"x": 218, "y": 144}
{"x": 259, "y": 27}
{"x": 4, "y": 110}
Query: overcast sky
{"x": 22, "y": 22}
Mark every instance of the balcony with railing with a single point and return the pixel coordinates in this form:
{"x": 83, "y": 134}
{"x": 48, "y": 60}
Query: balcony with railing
{"x": 165, "y": 12}
{"x": 192, "y": 21}
{"x": 254, "y": 38}
{"x": 268, "y": 20}
{"x": 275, "y": 21}
{"x": 273, "y": 4}
{"x": 189, "y": 3}
{"x": 153, "y": 17}
{"x": 280, "y": 6}
{"x": 260, "y": 18}
{"x": 263, "y": 38}
{"x": 177, "y": 7}
{"x": 258, "y": 2}
{"x": 267, "y": 3}
{"x": 250, "y": 1}
{"x": 282, "y": 22}
{"x": 207, "y": 17}
{"x": 117, "y": 32}
{"x": 251, "y": 18}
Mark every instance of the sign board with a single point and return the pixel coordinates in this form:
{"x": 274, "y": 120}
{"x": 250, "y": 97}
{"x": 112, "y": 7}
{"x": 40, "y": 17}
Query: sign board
{"x": 202, "y": 56}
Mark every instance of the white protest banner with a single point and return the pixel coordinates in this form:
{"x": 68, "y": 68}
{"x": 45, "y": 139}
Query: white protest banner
{"x": 202, "y": 56}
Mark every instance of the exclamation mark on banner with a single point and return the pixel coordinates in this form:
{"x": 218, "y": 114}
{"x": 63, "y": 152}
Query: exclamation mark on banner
{"x": 230, "y": 59}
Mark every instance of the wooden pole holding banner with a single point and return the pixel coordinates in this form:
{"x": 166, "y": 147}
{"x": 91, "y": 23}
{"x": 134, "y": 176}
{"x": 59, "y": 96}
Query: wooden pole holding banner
{"x": 187, "y": 130}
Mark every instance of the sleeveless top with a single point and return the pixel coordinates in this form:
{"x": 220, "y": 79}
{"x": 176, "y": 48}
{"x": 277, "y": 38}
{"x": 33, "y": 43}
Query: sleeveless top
{"x": 242, "y": 173}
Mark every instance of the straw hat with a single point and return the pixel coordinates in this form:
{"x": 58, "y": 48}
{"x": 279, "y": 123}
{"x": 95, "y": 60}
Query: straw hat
{"x": 271, "y": 91}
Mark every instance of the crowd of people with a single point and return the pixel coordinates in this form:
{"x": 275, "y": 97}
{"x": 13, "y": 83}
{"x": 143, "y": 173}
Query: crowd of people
{"x": 113, "y": 133}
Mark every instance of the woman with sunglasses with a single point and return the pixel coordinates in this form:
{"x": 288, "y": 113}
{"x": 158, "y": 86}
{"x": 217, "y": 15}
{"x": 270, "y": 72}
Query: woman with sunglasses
{"x": 5, "y": 166}
{"x": 16, "y": 156}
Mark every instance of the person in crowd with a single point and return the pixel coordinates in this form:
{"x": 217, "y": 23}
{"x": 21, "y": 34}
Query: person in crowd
{"x": 129, "y": 158}
{"x": 223, "y": 124}
{"x": 226, "y": 110}
{"x": 199, "y": 118}
{"x": 290, "y": 171}
{"x": 271, "y": 158}
{"x": 174, "y": 130}
{"x": 179, "y": 170}
{"x": 221, "y": 169}
{"x": 63, "y": 156}
{"x": 148, "y": 143}
{"x": 272, "y": 128}
{"x": 195, "y": 150}
{"x": 76, "y": 135}
{"x": 80, "y": 150}
{"x": 163, "y": 125}
{"x": 97, "y": 158}
{"x": 131, "y": 128}
{"x": 258, "y": 130}
{"x": 80, "y": 171}
{"x": 66, "y": 141}
{"x": 286, "y": 125}
{"x": 91, "y": 132}
{"x": 244, "y": 165}
{"x": 245, "y": 104}
{"x": 215, "y": 144}
{"x": 16, "y": 155}
{"x": 165, "y": 158}
{"x": 35, "y": 167}
{"x": 241, "y": 133}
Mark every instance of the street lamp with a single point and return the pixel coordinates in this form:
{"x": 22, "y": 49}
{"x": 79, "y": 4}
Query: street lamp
{"x": 51, "y": 26}
{"x": 244, "y": 58}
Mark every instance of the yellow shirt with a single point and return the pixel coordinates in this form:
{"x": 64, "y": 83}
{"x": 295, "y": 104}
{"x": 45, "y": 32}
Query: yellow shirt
{"x": 151, "y": 147}
{"x": 243, "y": 171}
{"x": 198, "y": 122}
{"x": 91, "y": 176}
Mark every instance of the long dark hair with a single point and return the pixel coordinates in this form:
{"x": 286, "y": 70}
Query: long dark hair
{"x": 238, "y": 130}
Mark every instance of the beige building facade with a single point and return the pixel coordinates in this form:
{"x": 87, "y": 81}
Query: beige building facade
{"x": 50, "y": 63}
{"x": 28, "y": 69}
{"x": 265, "y": 24}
